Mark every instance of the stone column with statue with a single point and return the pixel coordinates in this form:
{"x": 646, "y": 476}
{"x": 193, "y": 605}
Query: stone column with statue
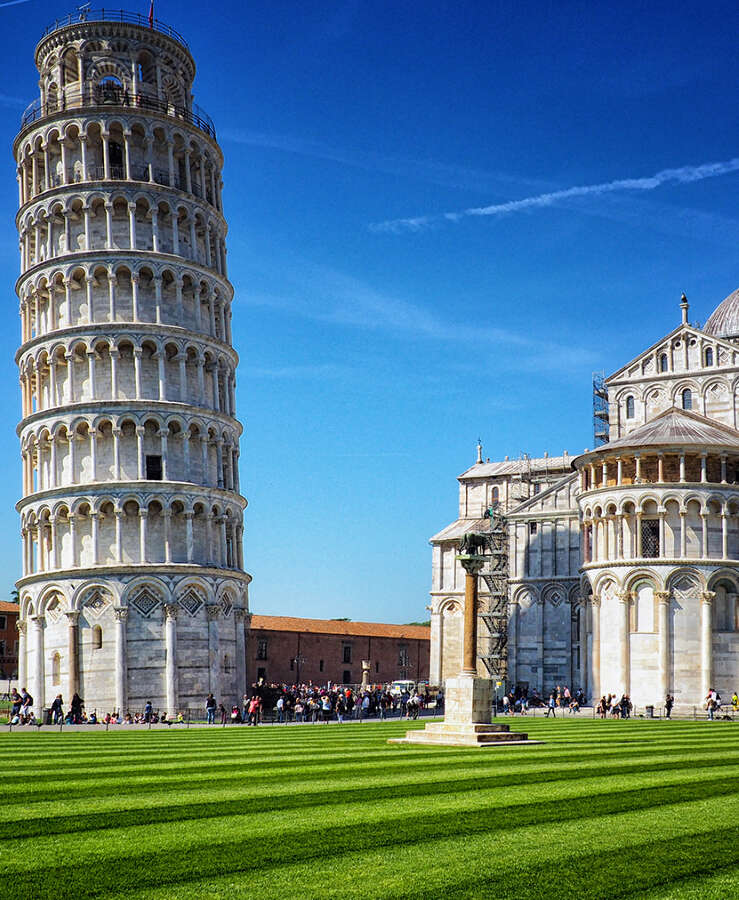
{"x": 468, "y": 701}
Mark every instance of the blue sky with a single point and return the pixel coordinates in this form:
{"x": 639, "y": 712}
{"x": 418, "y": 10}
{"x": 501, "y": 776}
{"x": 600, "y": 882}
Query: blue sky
{"x": 374, "y": 350}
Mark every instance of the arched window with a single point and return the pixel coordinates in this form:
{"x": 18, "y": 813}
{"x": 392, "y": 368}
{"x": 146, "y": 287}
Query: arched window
{"x": 663, "y": 362}
{"x": 687, "y": 396}
{"x": 56, "y": 669}
{"x": 494, "y": 495}
{"x": 709, "y": 356}
{"x": 97, "y": 637}
{"x": 629, "y": 407}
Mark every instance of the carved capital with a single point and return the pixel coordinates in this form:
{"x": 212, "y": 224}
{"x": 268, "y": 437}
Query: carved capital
{"x": 595, "y": 600}
{"x": 21, "y": 625}
{"x": 213, "y": 612}
{"x": 708, "y": 596}
{"x": 239, "y": 615}
{"x": 171, "y": 610}
{"x": 625, "y": 596}
{"x": 39, "y": 622}
{"x": 73, "y": 617}
{"x": 662, "y": 596}
{"x": 120, "y": 613}
{"x": 472, "y": 564}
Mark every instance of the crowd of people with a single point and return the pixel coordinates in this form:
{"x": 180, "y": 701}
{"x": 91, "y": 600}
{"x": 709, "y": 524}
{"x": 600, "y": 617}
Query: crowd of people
{"x": 310, "y": 703}
{"x": 302, "y": 703}
{"x": 560, "y": 698}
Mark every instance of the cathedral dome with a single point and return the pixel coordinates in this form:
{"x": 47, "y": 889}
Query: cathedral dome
{"x": 724, "y": 320}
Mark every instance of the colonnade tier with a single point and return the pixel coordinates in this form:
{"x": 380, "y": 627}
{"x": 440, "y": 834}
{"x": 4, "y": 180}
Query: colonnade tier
{"x": 113, "y": 218}
{"x": 127, "y": 367}
{"x": 77, "y": 150}
{"x": 131, "y": 528}
{"x": 663, "y": 524}
{"x": 659, "y": 467}
{"x": 108, "y": 448}
{"x": 123, "y": 293}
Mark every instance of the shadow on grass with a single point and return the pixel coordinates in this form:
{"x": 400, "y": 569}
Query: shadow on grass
{"x": 659, "y": 863}
{"x": 302, "y": 799}
{"x": 174, "y": 866}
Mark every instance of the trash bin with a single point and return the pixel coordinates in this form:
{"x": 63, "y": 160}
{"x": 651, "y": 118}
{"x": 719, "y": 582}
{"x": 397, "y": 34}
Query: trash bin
{"x": 47, "y": 717}
{"x": 649, "y": 710}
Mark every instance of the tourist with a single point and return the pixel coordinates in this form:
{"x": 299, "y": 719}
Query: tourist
{"x": 222, "y": 713}
{"x": 235, "y": 715}
{"x": 711, "y": 703}
{"x": 552, "y": 706}
{"x": 148, "y": 710}
{"x": 210, "y": 709}
{"x": 57, "y": 710}
{"x": 281, "y": 708}
{"x": 341, "y": 707}
{"x": 75, "y": 709}
{"x": 669, "y": 703}
{"x": 603, "y": 707}
{"x": 326, "y": 708}
{"x": 735, "y": 702}
{"x": 16, "y": 702}
{"x": 254, "y": 711}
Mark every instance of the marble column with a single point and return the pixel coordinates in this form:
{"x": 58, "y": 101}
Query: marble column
{"x": 170, "y": 627}
{"x": 22, "y": 627}
{"x": 214, "y": 650}
{"x": 239, "y": 622}
{"x": 73, "y": 654}
{"x": 540, "y": 645}
{"x": 583, "y": 641}
{"x": 594, "y": 680}
{"x": 624, "y": 599}
{"x": 663, "y": 644}
{"x": 512, "y": 644}
{"x": 707, "y": 598}
{"x": 121, "y": 665}
{"x": 39, "y": 692}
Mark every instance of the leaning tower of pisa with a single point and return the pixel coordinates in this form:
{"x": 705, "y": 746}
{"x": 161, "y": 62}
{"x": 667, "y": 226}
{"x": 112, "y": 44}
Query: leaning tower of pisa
{"x": 133, "y": 586}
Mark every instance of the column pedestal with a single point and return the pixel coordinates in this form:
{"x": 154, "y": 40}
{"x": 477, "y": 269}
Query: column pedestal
{"x": 468, "y": 701}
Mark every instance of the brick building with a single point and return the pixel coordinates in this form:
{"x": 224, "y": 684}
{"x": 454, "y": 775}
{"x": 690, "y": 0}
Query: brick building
{"x": 291, "y": 650}
{"x": 8, "y": 641}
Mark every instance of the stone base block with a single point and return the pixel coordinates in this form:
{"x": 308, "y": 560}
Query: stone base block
{"x": 468, "y": 699}
{"x": 469, "y": 734}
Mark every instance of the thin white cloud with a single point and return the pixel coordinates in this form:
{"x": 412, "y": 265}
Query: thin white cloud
{"x": 682, "y": 175}
{"x": 322, "y": 294}
{"x": 13, "y": 3}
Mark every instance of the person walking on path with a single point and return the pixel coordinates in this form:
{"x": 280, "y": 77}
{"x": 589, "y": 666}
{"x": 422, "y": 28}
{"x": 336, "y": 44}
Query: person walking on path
{"x": 210, "y": 709}
{"x": 552, "y": 706}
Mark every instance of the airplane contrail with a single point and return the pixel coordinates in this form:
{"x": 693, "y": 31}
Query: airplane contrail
{"x": 682, "y": 175}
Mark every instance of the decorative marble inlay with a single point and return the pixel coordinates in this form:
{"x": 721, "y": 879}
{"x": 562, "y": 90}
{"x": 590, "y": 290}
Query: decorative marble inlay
{"x": 191, "y": 602}
{"x": 145, "y": 601}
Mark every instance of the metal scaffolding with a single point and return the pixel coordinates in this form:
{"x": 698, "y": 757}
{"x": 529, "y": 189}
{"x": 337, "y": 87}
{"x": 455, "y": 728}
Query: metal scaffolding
{"x": 600, "y": 409}
{"x": 495, "y": 575}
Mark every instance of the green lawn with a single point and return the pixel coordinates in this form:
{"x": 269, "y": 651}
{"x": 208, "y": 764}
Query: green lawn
{"x": 602, "y": 809}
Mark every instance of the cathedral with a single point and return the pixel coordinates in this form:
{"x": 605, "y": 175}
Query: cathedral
{"x": 623, "y": 562}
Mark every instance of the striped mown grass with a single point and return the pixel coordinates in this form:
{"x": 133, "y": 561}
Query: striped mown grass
{"x": 602, "y": 809}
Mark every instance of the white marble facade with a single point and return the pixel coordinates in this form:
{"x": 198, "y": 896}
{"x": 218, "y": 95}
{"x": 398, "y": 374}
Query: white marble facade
{"x": 624, "y": 574}
{"x": 133, "y": 586}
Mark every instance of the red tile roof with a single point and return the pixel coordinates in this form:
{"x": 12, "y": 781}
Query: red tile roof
{"x": 5, "y": 606}
{"x": 329, "y": 626}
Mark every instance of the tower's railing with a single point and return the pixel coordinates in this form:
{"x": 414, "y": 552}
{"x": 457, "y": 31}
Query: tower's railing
{"x": 115, "y": 15}
{"x": 110, "y": 95}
